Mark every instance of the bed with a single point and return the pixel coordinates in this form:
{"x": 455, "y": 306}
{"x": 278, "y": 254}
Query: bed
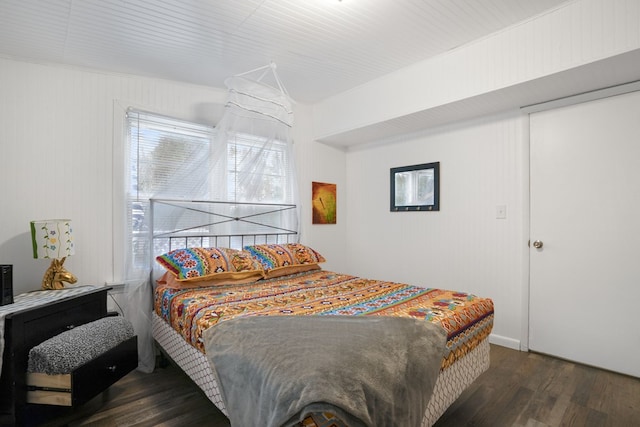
{"x": 190, "y": 302}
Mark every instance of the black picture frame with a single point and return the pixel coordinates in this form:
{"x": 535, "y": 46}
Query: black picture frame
{"x": 415, "y": 188}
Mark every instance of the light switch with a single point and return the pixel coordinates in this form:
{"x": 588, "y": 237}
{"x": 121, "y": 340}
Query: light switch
{"x": 501, "y": 212}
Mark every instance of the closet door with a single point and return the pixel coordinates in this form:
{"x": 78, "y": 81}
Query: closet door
{"x": 585, "y": 233}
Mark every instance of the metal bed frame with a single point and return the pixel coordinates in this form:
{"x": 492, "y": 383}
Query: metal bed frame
{"x": 205, "y": 223}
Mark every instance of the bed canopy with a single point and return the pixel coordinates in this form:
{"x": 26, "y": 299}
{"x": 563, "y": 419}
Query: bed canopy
{"x": 249, "y": 164}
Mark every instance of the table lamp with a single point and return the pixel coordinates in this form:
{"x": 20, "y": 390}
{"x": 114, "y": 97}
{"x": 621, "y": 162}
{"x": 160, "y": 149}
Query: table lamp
{"x": 53, "y": 238}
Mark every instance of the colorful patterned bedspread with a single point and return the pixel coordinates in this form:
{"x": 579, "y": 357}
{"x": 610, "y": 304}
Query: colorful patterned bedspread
{"x": 467, "y": 319}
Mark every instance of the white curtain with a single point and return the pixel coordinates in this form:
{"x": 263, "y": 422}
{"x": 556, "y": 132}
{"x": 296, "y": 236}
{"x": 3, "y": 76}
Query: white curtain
{"x": 249, "y": 159}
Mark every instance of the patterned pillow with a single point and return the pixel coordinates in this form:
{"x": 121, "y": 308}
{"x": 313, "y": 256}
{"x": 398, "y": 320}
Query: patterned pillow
{"x": 274, "y": 257}
{"x": 204, "y": 263}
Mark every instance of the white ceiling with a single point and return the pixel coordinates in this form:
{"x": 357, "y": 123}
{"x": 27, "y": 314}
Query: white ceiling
{"x": 320, "y": 47}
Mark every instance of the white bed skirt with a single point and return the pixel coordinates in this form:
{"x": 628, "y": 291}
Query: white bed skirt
{"x": 450, "y": 384}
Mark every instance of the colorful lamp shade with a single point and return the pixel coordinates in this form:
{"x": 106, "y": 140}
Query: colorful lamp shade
{"x": 53, "y": 238}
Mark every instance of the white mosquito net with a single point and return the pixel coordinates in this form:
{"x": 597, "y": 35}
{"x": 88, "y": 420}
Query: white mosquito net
{"x": 250, "y": 159}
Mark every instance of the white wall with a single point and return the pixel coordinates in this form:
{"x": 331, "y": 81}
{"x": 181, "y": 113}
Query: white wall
{"x": 484, "y": 161}
{"x": 56, "y": 159}
{"x": 578, "y": 33}
{"x": 321, "y": 163}
{"x": 463, "y": 246}
{"x": 57, "y": 138}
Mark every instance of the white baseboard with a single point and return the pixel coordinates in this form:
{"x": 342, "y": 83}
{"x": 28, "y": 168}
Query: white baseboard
{"x": 504, "y": 341}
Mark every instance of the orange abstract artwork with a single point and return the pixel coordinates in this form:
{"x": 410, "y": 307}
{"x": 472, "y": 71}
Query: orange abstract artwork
{"x": 324, "y": 202}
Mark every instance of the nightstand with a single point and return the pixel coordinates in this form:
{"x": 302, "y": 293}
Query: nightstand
{"x": 27, "y": 327}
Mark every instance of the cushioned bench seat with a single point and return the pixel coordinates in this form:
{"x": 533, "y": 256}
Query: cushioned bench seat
{"x": 74, "y": 366}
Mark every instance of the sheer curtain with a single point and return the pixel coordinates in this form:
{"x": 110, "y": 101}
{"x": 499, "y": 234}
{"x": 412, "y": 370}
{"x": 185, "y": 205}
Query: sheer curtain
{"x": 247, "y": 158}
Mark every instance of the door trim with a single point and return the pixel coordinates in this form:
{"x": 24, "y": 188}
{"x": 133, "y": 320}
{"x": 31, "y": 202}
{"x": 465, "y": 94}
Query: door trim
{"x": 582, "y": 97}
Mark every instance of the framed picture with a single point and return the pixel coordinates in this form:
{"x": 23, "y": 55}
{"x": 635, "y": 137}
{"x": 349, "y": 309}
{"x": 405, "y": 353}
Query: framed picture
{"x": 415, "y": 188}
{"x": 323, "y": 202}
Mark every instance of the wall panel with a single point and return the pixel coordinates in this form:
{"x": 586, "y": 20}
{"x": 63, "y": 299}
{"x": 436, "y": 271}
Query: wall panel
{"x": 463, "y": 246}
{"x": 57, "y": 142}
{"x": 578, "y": 34}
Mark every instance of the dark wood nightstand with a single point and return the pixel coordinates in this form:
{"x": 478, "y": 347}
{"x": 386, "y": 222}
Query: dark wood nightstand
{"x": 26, "y": 328}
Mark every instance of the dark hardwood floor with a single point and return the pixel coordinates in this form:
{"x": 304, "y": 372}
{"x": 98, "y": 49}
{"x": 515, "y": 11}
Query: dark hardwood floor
{"x": 520, "y": 389}
{"x": 534, "y": 390}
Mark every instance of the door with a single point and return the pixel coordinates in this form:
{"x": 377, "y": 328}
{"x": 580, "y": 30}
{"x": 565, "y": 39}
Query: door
{"x": 584, "y": 301}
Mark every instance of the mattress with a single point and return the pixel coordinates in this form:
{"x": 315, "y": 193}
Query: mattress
{"x": 181, "y": 315}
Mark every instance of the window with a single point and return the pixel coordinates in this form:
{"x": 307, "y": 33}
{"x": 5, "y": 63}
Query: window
{"x": 174, "y": 159}
{"x": 257, "y": 170}
{"x": 159, "y": 151}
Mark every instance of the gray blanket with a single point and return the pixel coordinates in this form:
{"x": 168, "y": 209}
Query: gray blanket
{"x": 369, "y": 371}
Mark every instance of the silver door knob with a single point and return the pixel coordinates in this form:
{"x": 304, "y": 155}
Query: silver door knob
{"x": 537, "y": 244}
